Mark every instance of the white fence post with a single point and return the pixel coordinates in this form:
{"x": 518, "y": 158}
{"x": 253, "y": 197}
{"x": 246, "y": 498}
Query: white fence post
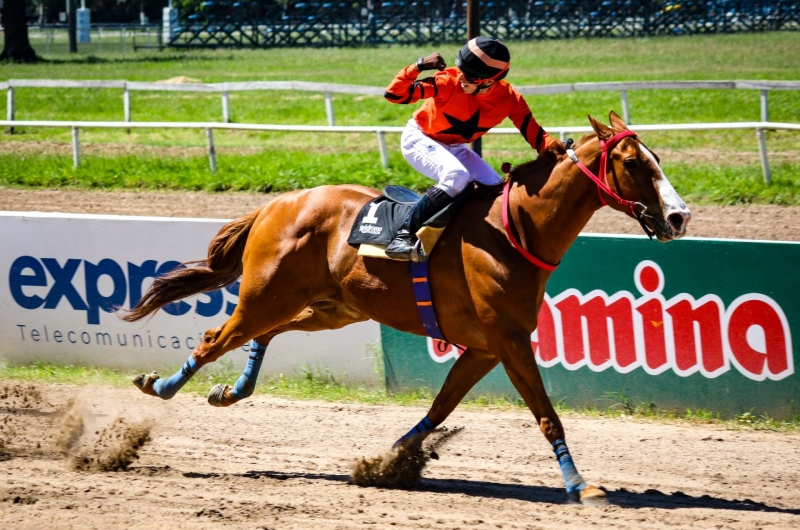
{"x": 329, "y": 108}
{"x": 226, "y": 107}
{"x": 126, "y": 107}
{"x": 626, "y": 114}
{"x": 382, "y": 149}
{"x": 76, "y": 147}
{"x": 762, "y": 151}
{"x": 10, "y": 107}
{"x": 765, "y": 105}
{"x": 212, "y": 152}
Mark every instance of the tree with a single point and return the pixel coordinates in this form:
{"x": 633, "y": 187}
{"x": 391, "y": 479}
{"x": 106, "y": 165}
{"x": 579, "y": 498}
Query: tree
{"x": 17, "y": 47}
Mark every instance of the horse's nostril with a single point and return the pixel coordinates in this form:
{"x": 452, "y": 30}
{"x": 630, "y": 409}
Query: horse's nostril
{"x": 676, "y": 221}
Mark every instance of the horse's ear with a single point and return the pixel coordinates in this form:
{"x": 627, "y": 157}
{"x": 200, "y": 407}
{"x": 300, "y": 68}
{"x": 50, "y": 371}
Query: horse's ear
{"x": 616, "y": 122}
{"x": 602, "y": 130}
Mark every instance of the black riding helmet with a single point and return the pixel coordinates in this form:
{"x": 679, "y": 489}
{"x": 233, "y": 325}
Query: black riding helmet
{"x": 484, "y": 58}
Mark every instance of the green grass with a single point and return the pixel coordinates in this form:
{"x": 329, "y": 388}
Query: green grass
{"x": 322, "y": 385}
{"x": 265, "y": 172}
{"x": 277, "y": 171}
{"x": 708, "y": 167}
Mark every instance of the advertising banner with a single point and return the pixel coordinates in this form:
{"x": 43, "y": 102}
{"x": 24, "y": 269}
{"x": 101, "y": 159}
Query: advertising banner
{"x": 692, "y": 324}
{"x": 65, "y": 274}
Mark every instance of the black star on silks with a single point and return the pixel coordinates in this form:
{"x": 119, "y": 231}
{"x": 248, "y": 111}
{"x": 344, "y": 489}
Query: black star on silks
{"x": 466, "y": 128}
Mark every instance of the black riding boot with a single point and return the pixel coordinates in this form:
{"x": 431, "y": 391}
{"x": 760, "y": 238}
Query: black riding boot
{"x": 434, "y": 200}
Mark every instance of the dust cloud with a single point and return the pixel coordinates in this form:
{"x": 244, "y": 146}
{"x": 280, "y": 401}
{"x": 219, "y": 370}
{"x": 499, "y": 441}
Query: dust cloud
{"x": 87, "y": 438}
{"x": 401, "y": 468}
{"x": 90, "y": 444}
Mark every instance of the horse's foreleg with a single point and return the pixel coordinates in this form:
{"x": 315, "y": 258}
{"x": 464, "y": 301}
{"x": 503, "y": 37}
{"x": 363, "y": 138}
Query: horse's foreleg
{"x": 520, "y": 364}
{"x": 470, "y": 368}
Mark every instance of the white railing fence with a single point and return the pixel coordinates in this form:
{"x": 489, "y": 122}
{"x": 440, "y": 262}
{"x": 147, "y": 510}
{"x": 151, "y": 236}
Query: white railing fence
{"x": 224, "y": 89}
{"x": 759, "y": 126}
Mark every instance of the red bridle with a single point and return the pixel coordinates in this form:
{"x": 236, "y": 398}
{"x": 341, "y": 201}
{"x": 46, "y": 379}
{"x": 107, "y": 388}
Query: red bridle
{"x": 602, "y": 186}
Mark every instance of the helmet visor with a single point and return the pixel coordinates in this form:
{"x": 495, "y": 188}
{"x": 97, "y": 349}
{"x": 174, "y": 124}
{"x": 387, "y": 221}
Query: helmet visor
{"x": 471, "y": 79}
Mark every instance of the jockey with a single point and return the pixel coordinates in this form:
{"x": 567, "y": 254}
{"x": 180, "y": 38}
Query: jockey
{"x": 462, "y": 103}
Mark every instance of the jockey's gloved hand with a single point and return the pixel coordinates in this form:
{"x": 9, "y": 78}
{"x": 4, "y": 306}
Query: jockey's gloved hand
{"x": 554, "y": 147}
{"x": 434, "y": 61}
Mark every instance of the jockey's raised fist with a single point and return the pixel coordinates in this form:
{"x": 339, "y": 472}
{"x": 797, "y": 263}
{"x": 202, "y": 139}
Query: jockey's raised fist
{"x": 434, "y": 61}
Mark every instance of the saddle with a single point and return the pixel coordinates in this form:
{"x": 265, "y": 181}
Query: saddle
{"x": 378, "y": 221}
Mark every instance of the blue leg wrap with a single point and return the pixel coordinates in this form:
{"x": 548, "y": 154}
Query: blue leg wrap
{"x": 423, "y": 426}
{"x": 166, "y": 388}
{"x": 572, "y": 479}
{"x": 247, "y": 381}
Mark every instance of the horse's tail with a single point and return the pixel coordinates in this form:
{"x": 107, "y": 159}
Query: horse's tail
{"x": 223, "y": 267}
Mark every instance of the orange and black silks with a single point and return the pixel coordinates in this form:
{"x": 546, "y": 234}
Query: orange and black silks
{"x": 452, "y": 117}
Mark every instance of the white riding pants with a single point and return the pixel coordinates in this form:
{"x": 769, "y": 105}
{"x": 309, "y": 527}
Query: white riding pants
{"x": 452, "y": 166}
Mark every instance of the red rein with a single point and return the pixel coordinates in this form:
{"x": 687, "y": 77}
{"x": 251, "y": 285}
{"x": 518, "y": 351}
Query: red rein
{"x": 528, "y": 256}
{"x": 602, "y": 185}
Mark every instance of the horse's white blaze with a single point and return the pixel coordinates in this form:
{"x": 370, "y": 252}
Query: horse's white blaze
{"x": 670, "y": 200}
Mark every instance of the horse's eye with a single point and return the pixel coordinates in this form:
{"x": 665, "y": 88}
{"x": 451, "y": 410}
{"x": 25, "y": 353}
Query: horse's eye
{"x": 629, "y": 163}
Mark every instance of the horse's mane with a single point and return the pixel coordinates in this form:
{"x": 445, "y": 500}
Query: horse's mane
{"x": 543, "y": 165}
{"x": 538, "y": 169}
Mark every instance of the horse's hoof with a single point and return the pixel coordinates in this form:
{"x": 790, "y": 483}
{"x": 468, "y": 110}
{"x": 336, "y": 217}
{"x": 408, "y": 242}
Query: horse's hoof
{"x": 220, "y": 396}
{"x": 145, "y": 382}
{"x": 593, "y": 496}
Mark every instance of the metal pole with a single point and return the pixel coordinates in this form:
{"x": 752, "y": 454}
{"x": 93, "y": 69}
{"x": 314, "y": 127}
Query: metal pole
{"x": 329, "y": 108}
{"x": 626, "y": 114}
{"x": 563, "y": 136}
{"x": 474, "y": 30}
{"x": 76, "y": 147}
{"x": 226, "y": 107}
{"x": 764, "y": 105}
{"x": 212, "y": 152}
{"x": 10, "y": 108}
{"x": 382, "y": 149}
{"x": 762, "y": 151}
{"x": 72, "y": 30}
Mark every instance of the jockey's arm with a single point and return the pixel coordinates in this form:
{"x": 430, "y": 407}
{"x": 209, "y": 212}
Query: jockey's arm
{"x": 405, "y": 88}
{"x": 522, "y": 118}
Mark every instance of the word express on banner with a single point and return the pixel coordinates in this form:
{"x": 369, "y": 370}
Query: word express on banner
{"x": 42, "y": 283}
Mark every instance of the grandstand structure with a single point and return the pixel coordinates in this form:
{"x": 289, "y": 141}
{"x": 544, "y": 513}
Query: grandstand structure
{"x": 338, "y": 23}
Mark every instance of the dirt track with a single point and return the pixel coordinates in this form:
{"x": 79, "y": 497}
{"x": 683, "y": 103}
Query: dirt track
{"x": 736, "y": 222}
{"x": 272, "y": 463}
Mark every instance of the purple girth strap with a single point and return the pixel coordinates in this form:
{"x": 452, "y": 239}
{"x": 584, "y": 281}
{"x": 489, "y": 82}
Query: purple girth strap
{"x": 422, "y": 293}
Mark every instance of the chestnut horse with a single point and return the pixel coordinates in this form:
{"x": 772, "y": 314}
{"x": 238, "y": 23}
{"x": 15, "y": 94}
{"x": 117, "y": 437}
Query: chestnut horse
{"x": 298, "y": 272}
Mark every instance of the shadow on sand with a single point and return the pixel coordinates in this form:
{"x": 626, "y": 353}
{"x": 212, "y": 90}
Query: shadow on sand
{"x": 495, "y": 490}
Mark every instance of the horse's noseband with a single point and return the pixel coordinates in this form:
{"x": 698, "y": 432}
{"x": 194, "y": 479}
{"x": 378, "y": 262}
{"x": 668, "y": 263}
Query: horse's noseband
{"x": 636, "y": 209}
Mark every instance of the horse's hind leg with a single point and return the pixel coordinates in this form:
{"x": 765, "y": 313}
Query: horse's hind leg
{"x": 470, "y": 368}
{"x": 520, "y": 365}
{"x": 257, "y": 313}
{"x": 316, "y": 317}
